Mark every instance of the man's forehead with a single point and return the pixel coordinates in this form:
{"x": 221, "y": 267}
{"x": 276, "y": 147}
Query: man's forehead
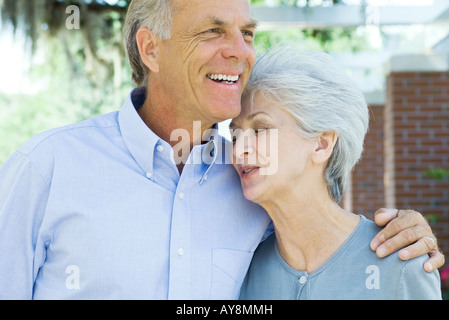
{"x": 218, "y": 10}
{"x": 184, "y": 3}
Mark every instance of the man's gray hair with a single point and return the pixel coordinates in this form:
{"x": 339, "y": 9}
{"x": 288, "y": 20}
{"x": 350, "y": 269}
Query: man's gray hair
{"x": 321, "y": 97}
{"x": 155, "y": 15}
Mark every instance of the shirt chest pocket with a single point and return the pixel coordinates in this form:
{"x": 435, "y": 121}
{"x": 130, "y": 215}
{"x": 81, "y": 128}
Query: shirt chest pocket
{"x": 229, "y": 268}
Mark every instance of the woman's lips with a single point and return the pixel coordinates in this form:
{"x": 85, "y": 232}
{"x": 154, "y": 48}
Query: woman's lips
{"x": 248, "y": 171}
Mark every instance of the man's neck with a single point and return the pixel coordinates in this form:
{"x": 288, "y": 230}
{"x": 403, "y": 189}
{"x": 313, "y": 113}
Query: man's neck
{"x": 180, "y": 131}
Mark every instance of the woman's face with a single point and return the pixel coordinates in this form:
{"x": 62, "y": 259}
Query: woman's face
{"x": 270, "y": 155}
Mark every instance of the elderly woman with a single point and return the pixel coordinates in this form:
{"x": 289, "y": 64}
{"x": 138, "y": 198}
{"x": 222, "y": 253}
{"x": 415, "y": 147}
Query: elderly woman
{"x": 300, "y": 133}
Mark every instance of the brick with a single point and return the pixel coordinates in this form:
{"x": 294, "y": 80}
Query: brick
{"x": 412, "y": 129}
{"x": 405, "y": 75}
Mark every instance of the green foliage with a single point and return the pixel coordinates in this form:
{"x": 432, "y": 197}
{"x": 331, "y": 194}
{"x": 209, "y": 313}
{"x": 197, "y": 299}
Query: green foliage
{"x": 79, "y": 73}
{"x": 257, "y": 2}
{"x": 23, "y": 115}
{"x": 328, "y": 40}
{"x": 66, "y": 92}
{"x": 437, "y": 173}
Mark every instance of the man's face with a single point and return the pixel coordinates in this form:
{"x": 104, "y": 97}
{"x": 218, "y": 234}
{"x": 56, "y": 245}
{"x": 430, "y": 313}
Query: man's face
{"x": 206, "y": 64}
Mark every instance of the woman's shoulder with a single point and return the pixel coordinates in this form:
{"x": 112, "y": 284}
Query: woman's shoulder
{"x": 416, "y": 283}
{"x": 360, "y": 247}
{"x": 408, "y": 277}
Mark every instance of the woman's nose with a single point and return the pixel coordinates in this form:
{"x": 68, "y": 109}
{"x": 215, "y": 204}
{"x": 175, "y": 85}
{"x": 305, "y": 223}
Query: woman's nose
{"x": 244, "y": 145}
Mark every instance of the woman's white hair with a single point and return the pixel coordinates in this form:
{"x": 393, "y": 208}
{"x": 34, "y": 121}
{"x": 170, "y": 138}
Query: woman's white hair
{"x": 156, "y": 15}
{"x": 321, "y": 97}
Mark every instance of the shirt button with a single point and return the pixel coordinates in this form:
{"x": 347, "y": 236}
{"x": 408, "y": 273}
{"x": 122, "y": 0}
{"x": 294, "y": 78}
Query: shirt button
{"x": 181, "y": 195}
{"x": 149, "y": 175}
{"x": 160, "y": 148}
{"x": 180, "y": 251}
{"x": 302, "y": 280}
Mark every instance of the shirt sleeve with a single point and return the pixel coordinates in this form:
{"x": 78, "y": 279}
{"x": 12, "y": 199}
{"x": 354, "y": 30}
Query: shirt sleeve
{"x": 23, "y": 198}
{"x": 417, "y": 284}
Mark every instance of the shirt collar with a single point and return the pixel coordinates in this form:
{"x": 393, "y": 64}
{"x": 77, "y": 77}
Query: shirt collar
{"x": 141, "y": 140}
{"x": 210, "y": 152}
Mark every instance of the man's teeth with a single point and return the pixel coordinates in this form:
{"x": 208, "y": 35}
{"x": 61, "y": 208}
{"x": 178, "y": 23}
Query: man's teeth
{"x": 248, "y": 170}
{"x": 223, "y": 77}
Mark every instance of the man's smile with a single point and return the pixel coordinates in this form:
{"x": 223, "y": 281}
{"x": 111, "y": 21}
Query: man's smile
{"x": 223, "y": 78}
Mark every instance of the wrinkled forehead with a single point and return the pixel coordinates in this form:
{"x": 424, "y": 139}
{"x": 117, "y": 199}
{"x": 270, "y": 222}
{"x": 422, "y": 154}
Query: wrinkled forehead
{"x": 231, "y": 9}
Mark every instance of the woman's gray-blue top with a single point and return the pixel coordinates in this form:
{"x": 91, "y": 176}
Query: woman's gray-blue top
{"x": 353, "y": 272}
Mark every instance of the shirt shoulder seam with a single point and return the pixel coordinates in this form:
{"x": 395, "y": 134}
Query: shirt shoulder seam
{"x": 60, "y": 131}
{"x": 27, "y": 158}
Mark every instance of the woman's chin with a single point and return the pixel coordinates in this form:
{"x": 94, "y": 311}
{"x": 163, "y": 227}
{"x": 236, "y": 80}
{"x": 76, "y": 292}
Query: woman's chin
{"x": 251, "y": 195}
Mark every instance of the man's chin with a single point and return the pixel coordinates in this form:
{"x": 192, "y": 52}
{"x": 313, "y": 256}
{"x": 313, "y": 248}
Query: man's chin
{"x": 226, "y": 111}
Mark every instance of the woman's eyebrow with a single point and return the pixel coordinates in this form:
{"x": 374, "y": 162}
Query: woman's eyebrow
{"x": 255, "y": 114}
{"x": 249, "y": 117}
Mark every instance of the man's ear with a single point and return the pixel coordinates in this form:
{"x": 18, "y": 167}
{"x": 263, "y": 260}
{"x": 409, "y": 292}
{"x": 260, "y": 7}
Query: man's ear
{"x": 325, "y": 146}
{"x": 148, "y": 45}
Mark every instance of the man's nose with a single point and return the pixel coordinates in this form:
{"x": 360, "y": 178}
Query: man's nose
{"x": 236, "y": 47}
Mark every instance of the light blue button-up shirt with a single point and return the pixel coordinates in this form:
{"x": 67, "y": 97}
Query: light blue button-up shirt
{"x": 98, "y": 210}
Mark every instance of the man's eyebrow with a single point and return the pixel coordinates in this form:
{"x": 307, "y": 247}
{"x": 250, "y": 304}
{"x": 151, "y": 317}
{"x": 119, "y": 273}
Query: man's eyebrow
{"x": 252, "y": 24}
{"x": 216, "y": 21}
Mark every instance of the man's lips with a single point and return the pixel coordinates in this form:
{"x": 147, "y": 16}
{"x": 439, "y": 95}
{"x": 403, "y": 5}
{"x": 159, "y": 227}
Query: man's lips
{"x": 226, "y": 79}
{"x": 223, "y": 77}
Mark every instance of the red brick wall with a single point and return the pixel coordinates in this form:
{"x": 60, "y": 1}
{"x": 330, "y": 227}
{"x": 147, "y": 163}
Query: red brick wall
{"x": 367, "y": 177}
{"x": 413, "y": 131}
{"x": 418, "y": 105}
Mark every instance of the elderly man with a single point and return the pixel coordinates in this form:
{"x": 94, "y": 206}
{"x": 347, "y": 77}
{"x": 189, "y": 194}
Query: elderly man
{"x": 112, "y": 208}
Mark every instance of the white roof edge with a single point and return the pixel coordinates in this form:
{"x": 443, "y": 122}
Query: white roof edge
{"x": 434, "y": 62}
{"x": 375, "y": 98}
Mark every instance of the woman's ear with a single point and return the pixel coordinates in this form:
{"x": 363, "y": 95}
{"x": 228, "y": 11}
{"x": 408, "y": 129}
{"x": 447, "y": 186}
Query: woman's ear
{"x": 325, "y": 146}
{"x": 148, "y": 45}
